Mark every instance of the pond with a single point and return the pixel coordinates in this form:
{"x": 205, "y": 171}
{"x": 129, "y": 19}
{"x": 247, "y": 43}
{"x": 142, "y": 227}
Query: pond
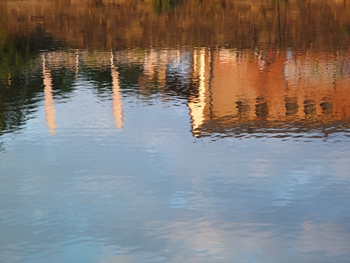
{"x": 170, "y": 131}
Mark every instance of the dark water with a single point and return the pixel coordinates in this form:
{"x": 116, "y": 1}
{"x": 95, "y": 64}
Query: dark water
{"x": 129, "y": 136}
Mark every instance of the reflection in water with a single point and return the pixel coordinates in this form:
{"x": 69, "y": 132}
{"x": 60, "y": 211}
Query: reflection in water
{"x": 197, "y": 105}
{"x": 286, "y": 91}
{"x": 265, "y": 85}
{"x": 116, "y": 24}
{"x": 291, "y": 106}
{"x": 261, "y": 108}
{"x": 49, "y": 102}
{"x": 226, "y": 90}
{"x": 117, "y": 101}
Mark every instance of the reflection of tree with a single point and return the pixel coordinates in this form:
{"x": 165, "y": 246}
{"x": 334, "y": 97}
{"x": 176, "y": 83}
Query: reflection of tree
{"x": 17, "y": 50}
{"x": 100, "y": 77}
{"x": 16, "y": 55}
{"x": 62, "y": 81}
{"x": 180, "y": 87}
{"x": 129, "y": 74}
{"x": 20, "y": 75}
{"x": 21, "y": 79}
{"x": 17, "y": 100}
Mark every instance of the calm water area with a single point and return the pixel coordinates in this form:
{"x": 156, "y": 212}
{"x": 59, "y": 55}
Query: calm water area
{"x": 175, "y": 131}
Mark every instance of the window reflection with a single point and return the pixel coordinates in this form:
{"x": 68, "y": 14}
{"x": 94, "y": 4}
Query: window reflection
{"x": 292, "y": 106}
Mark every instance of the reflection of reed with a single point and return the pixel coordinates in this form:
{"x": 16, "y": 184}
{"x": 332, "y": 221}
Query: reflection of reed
{"x": 49, "y": 102}
{"x": 240, "y": 23}
{"x": 117, "y": 100}
{"x": 162, "y": 5}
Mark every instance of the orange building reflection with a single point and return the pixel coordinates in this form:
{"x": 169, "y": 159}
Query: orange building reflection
{"x": 243, "y": 91}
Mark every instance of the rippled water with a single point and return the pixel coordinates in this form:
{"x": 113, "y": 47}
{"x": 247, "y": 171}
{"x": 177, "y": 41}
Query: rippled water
{"x": 114, "y": 149}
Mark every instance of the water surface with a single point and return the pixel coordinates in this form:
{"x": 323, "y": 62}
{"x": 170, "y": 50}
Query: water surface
{"x": 126, "y": 136}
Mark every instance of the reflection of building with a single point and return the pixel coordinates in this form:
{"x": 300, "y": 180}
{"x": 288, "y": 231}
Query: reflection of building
{"x": 201, "y": 68}
{"x": 71, "y": 61}
{"x": 154, "y": 69}
{"x": 49, "y": 102}
{"x": 117, "y": 100}
{"x": 226, "y": 90}
{"x": 241, "y": 91}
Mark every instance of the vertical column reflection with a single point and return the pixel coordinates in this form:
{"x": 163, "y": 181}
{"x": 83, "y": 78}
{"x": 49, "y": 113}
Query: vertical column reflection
{"x": 77, "y": 65}
{"x": 117, "y": 100}
{"x": 49, "y": 102}
{"x": 197, "y": 105}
